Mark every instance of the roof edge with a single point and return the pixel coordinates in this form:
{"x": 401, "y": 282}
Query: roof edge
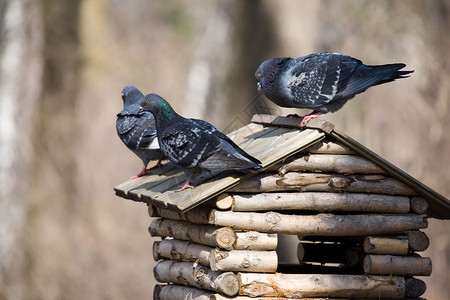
{"x": 438, "y": 208}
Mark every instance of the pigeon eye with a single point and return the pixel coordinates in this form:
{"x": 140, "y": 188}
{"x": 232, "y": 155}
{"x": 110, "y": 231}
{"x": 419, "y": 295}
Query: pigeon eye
{"x": 147, "y": 102}
{"x": 259, "y": 75}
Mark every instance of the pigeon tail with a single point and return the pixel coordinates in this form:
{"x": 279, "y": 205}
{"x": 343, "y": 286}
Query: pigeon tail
{"x": 392, "y": 71}
{"x": 366, "y": 76}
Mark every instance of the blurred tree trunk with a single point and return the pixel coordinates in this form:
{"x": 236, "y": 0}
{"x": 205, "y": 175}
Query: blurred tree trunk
{"x": 55, "y": 126}
{"x": 211, "y": 54}
{"x": 254, "y": 37}
{"x": 20, "y": 87}
{"x": 55, "y": 142}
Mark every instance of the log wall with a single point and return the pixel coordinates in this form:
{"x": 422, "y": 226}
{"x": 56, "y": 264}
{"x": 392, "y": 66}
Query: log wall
{"x": 358, "y": 228}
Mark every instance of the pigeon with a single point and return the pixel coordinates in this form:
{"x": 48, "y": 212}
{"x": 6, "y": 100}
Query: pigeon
{"x": 195, "y": 145}
{"x": 323, "y": 82}
{"x": 137, "y": 129}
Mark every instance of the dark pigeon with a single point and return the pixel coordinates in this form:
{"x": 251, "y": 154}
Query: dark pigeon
{"x": 137, "y": 129}
{"x": 195, "y": 145}
{"x": 323, "y": 82}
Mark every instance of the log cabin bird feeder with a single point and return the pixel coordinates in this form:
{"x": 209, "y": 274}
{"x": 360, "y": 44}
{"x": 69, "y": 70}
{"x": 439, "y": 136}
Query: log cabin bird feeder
{"x": 358, "y": 220}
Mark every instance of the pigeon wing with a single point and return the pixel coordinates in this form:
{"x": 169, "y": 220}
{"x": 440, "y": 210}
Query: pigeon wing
{"x": 223, "y": 153}
{"x": 193, "y": 143}
{"x": 314, "y": 80}
{"x": 184, "y": 143}
{"x": 137, "y": 131}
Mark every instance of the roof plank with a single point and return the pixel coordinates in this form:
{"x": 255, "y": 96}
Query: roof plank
{"x": 270, "y": 146}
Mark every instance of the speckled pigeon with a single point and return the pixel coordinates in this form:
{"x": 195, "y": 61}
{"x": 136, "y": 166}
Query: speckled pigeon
{"x": 323, "y": 82}
{"x": 137, "y": 129}
{"x": 195, "y": 145}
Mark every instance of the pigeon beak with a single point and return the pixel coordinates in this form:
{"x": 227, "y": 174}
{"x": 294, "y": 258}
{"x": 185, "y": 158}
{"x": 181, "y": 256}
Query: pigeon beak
{"x": 258, "y": 86}
{"x": 141, "y": 109}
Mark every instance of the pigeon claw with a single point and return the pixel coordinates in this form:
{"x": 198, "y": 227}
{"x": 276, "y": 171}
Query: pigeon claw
{"x": 187, "y": 185}
{"x": 144, "y": 172}
{"x": 307, "y": 118}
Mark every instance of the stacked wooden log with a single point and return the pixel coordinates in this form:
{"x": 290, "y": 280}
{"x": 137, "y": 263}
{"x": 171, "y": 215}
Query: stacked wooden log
{"x": 358, "y": 229}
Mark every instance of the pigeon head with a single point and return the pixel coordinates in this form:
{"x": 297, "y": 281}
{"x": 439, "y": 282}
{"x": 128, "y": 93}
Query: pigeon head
{"x": 259, "y": 75}
{"x": 267, "y": 72}
{"x": 131, "y": 95}
{"x": 158, "y": 106}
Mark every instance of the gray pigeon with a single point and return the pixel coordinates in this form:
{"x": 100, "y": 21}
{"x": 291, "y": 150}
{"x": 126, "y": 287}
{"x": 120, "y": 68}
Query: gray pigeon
{"x": 137, "y": 129}
{"x": 323, "y": 82}
{"x": 195, "y": 145}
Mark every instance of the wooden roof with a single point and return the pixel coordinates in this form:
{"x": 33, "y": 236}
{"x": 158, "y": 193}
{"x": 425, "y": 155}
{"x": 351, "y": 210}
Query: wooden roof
{"x": 271, "y": 139}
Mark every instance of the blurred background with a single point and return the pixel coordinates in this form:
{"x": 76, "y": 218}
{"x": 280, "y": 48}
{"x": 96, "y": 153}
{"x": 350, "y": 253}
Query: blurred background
{"x": 63, "y": 63}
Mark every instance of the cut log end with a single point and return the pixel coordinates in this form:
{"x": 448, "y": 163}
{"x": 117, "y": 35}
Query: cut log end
{"x": 418, "y": 240}
{"x": 152, "y": 211}
{"x": 419, "y": 205}
{"x": 415, "y": 287}
{"x": 224, "y": 201}
{"x": 225, "y": 237}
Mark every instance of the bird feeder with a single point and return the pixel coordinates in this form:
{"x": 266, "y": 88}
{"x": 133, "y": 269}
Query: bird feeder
{"x": 357, "y": 217}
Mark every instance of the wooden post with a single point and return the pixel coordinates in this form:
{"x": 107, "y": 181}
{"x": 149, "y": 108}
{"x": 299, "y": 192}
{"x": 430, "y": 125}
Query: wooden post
{"x": 386, "y": 245}
{"x": 209, "y": 235}
{"x": 319, "y": 182}
{"x": 197, "y": 276}
{"x": 182, "y": 250}
{"x": 397, "y": 265}
{"x": 216, "y": 259}
{"x": 318, "y": 201}
{"x": 253, "y": 240}
{"x": 343, "y": 164}
{"x": 196, "y": 215}
{"x": 307, "y": 285}
{"x": 321, "y": 224}
{"x": 179, "y": 292}
{"x": 245, "y": 261}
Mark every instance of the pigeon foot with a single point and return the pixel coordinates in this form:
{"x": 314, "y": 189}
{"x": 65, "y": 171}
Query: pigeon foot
{"x": 143, "y": 172}
{"x": 146, "y": 171}
{"x": 187, "y": 185}
{"x": 307, "y": 118}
